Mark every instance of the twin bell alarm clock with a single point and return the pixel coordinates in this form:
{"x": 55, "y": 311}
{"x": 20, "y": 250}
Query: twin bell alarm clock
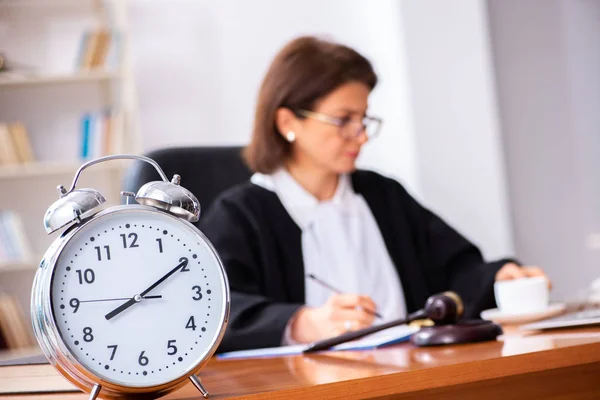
{"x": 130, "y": 301}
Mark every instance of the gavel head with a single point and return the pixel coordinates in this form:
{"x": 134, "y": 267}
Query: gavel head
{"x": 444, "y": 308}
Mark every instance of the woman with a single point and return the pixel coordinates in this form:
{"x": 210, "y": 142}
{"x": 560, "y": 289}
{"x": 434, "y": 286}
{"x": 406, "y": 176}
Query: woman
{"x": 309, "y": 221}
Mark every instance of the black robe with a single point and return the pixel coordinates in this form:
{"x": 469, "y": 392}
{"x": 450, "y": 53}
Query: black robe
{"x": 260, "y": 246}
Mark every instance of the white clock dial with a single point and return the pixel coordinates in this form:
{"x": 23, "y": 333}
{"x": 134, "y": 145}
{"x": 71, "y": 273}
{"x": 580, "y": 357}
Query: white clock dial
{"x": 138, "y": 297}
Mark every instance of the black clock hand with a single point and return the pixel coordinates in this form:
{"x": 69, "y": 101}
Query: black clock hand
{"x": 138, "y": 297}
{"x": 122, "y": 307}
{"x": 182, "y": 263}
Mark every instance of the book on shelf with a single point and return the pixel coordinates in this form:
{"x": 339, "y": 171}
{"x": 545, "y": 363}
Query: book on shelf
{"x": 97, "y": 134}
{"x": 15, "y": 146}
{"x": 97, "y": 138}
{"x": 3, "y": 342}
{"x": 13, "y": 325}
{"x": 8, "y": 154}
{"x": 22, "y": 144}
{"x": 14, "y": 245}
{"x": 99, "y": 49}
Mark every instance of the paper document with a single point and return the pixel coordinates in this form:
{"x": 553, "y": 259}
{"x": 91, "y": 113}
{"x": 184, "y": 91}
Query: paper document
{"x": 388, "y": 337}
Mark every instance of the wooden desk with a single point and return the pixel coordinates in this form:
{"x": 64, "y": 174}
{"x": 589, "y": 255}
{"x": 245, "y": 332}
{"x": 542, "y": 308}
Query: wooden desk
{"x": 555, "y": 365}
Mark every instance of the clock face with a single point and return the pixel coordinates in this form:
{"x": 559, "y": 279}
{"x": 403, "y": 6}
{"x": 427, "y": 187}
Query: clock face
{"x": 138, "y": 297}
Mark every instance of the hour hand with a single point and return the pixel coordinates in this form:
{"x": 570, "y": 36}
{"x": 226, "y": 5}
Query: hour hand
{"x": 122, "y": 307}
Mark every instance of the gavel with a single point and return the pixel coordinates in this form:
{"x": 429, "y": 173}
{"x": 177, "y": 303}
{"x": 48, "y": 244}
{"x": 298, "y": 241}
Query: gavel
{"x": 443, "y": 309}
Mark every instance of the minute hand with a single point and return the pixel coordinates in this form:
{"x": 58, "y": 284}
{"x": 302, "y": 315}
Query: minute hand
{"x": 132, "y": 301}
{"x": 183, "y": 262}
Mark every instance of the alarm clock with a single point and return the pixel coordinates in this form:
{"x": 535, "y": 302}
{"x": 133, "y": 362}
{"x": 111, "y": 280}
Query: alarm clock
{"x": 130, "y": 301}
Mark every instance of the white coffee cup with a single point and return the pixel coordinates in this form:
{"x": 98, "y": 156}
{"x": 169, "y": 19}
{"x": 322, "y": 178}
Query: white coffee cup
{"x": 520, "y": 296}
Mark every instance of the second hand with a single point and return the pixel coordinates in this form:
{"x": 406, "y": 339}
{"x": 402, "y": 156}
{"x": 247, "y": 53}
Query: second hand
{"x": 158, "y": 296}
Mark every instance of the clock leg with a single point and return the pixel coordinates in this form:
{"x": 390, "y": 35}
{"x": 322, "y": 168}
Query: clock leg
{"x": 95, "y": 392}
{"x": 196, "y": 381}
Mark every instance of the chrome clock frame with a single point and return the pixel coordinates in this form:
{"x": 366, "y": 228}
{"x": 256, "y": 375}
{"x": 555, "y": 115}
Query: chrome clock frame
{"x": 58, "y": 353}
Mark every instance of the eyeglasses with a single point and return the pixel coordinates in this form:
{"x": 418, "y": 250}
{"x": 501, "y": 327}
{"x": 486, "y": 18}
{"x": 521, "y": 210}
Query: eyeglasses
{"x": 349, "y": 128}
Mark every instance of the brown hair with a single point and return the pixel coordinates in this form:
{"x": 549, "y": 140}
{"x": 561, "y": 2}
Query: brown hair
{"x": 303, "y": 72}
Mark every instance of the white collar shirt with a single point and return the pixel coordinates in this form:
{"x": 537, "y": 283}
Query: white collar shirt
{"x": 341, "y": 244}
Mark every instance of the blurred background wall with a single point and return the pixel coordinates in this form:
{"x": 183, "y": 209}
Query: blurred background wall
{"x": 547, "y": 67}
{"x": 436, "y": 94}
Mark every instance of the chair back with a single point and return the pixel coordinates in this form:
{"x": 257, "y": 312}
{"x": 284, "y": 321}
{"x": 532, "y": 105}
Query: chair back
{"x": 205, "y": 171}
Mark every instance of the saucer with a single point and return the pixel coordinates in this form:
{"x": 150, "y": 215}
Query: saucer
{"x": 500, "y": 317}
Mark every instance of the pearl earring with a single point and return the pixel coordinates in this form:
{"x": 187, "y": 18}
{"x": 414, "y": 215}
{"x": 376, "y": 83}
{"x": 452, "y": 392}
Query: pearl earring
{"x": 291, "y": 136}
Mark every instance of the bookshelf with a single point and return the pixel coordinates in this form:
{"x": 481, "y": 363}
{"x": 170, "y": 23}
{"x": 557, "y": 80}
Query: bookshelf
{"x": 57, "y": 79}
{"x": 56, "y": 168}
{"x": 51, "y": 96}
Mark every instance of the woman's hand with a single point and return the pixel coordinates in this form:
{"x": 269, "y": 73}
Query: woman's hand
{"x": 341, "y": 313}
{"x": 513, "y": 271}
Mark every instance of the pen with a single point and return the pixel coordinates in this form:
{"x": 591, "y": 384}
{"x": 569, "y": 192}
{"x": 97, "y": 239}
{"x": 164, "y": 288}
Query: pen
{"x": 328, "y": 286}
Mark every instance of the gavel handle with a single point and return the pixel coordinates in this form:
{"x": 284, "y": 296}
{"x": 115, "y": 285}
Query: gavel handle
{"x": 349, "y": 336}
